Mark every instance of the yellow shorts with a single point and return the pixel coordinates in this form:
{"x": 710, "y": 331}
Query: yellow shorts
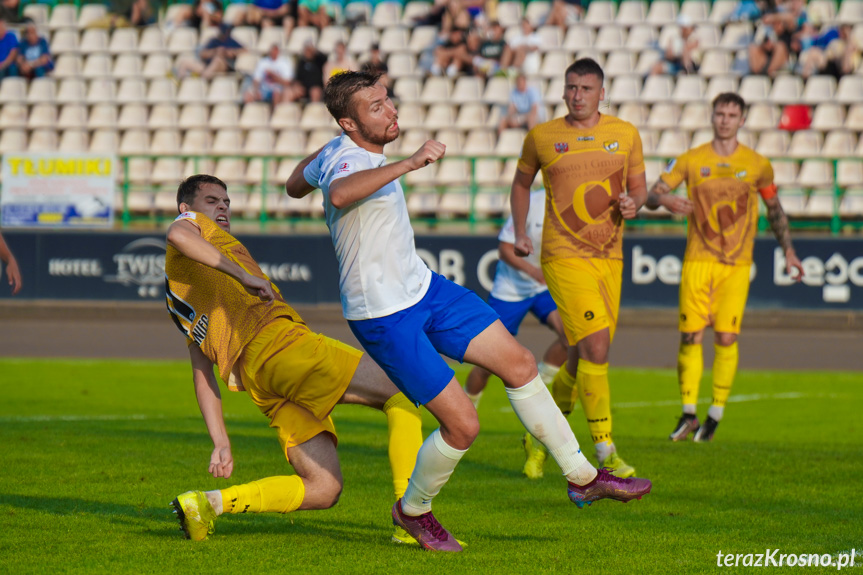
{"x": 587, "y": 293}
{"x": 714, "y": 294}
{"x": 296, "y": 377}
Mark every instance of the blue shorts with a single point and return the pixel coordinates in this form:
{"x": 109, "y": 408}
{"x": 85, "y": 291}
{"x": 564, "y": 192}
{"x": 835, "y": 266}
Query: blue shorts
{"x": 512, "y": 312}
{"x": 408, "y": 343}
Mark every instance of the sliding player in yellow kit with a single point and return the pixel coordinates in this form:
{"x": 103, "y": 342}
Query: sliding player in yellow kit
{"x": 234, "y": 318}
{"x": 722, "y": 178}
{"x": 593, "y": 170}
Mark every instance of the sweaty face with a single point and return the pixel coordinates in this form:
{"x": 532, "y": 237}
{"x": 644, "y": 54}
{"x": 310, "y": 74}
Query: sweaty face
{"x": 376, "y": 117}
{"x": 212, "y": 200}
{"x": 727, "y": 120}
{"x": 582, "y": 95}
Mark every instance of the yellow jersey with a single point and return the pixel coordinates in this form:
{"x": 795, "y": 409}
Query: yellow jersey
{"x": 584, "y": 172}
{"x": 723, "y": 191}
{"x": 211, "y": 308}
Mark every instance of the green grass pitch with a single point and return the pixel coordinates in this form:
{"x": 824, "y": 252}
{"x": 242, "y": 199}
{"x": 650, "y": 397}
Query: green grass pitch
{"x": 92, "y": 452}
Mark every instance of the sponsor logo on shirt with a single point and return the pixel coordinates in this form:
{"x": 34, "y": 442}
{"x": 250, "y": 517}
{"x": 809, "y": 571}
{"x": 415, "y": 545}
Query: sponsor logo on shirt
{"x": 611, "y": 146}
{"x": 562, "y": 147}
{"x": 343, "y": 167}
{"x": 670, "y": 166}
{"x": 186, "y": 216}
{"x": 586, "y": 139}
{"x": 705, "y": 172}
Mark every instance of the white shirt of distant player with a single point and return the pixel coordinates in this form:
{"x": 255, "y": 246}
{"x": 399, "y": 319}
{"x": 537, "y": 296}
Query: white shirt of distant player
{"x": 380, "y": 272}
{"x": 281, "y": 67}
{"x": 511, "y": 284}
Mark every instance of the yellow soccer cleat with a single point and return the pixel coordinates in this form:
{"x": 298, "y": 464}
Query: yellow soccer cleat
{"x": 535, "y": 455}
{"x": 195, "y": 514}
{"x": 617, "y": 466}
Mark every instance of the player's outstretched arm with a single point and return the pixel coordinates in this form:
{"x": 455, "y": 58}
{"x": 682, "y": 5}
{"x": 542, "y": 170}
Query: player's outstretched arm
{"x": 507, "y": 254}
{"x": 210, "y": 403}
{"x": 636, "y": 195}
{"x": 660, "y": 195}
{"x": 186, "y": 238}
{"x": 519, "y": 201}
{"x": 779, "y": 224}
{"x": 296, "y": 186}
{"x": 12, "y": 271}
{"x": 360, "y": 185}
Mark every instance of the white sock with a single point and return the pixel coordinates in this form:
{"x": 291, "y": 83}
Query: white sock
{"x": 538, "y": 413}
{"x": 689, "y": 408}
{"x": 474, "y": 398}
{"x": 716, "y": 412}
{"x": 604, "y": 449}
{"x": 547, "y": 372}
{"x": 215, "y": 499}
{"x": 435, "y": 463}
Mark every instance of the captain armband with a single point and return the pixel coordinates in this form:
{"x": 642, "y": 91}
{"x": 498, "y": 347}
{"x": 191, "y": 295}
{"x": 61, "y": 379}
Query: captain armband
{"x": 768, "y": 192}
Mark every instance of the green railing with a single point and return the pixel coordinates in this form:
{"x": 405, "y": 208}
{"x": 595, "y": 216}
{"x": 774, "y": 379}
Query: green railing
{"x": 271, "y": 190}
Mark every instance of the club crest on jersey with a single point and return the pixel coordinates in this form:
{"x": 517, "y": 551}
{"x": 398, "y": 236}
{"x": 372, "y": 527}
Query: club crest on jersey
{"x": 670, "y": 166}
{"x": 611, "y": 146}
{"x": 705, "y": 172}
{"x": 561, "y": 147}
{"x": 343, "y": 167}
{"x": 740, "y": 175}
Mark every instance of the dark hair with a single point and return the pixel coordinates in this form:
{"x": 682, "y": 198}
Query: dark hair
{"x": 584, "y": 67}
{"x": 729, "y": 98}
{"x": 189, "y": 187}
{"x": 340, "y": 90}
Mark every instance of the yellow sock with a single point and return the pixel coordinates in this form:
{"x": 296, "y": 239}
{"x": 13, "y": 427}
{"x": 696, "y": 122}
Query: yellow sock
{"x": 564, "y": 390}
{"x": 281, "y": 494}
{"x": 405, "y": 438}
{"x": 595, "y": 397}
{"x": 690, "y": 365}
{"x": 724, "y": 370}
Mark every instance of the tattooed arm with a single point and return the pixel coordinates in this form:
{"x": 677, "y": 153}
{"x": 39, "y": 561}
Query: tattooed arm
{"x": 660, "y": 195}
{"x": 779, "y": 224}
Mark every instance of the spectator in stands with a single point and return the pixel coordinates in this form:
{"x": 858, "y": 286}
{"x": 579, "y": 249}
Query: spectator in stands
{"x": 317, "y": 13}
{"x": 491, "y": 51}
{"x": 376, "y": 64}
{"x": 217, "y": 56}
{"x": 9, "y": 10}
{"x": 525, "y": 109}
{"x": 8, "y": 51}
{"x": 747, "y": 11}
{"x": 265, "y": 13}
{"x": 339, "y": 61}
{"x": 310, "y": 72}
{"x": 273, "y": 80}
{"x": 679, "y": 51}
{"x": 524, "y": 50}
{"x": 201, "y": 14}
{"x": 564, "y": 13}
{"x": 451, "y": 56}
{"x": 34, "y": 56}
{"x": 12, "y": 271}
{"x": 128, "y": 13}
{"x": 769, "y": 51}
{"x": 834, "y": 51}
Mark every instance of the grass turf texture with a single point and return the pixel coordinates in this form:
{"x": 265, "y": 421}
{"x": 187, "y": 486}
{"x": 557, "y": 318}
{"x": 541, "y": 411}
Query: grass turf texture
{"x": 93, "y": 452}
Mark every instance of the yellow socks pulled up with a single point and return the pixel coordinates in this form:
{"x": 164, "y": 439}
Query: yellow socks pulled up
{"x": 405, "y": 438}
{"x": 592, "y": 384}
{"x": 564, "y": 390}
{"x": 280, "y": 494}
{"x": 724, "y": 370}
{"x": 690, "y": 366}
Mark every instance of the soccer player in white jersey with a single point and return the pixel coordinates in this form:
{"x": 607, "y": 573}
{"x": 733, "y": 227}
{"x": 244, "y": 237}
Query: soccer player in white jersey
{"x": 405, "y": 315}
{"x": 519, "y": 287}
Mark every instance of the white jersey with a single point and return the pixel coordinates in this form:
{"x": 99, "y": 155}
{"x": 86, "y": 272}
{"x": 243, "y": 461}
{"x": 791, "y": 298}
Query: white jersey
{"x": 511, "y": 284}
{"x": 380, "y": 272}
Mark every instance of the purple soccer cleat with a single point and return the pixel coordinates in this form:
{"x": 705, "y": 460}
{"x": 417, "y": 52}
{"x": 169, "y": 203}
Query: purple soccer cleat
{"x": 607, "y": 486}
{"x": 426, "y": 530}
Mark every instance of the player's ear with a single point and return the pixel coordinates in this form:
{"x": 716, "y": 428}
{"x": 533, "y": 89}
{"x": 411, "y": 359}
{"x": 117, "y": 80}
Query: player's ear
{"x": 184, "y": 207}
{"x": 348, "y": 124}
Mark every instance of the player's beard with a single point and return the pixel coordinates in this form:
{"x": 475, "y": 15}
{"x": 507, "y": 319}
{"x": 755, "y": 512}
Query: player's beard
{"x": 378, "y": 139}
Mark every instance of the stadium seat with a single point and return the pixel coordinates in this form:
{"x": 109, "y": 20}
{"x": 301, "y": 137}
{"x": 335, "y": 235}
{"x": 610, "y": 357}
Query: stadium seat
{"x": 672, "y": 143}
{"x": 763, "y": 116}
{"x": 362, "y": 39}
{"x": 97, "y": 66}
{"x": 487, "y": 172}
{"x": 819, "y": 89}
{"x": 773, "y": 143}
{"x": 42, "y": 116}
{"x": 103, "y": 91}
{"x": 822, "y": 203}
{"x": 228, "y": 142}
{"x": 223, "y": 89}
{"x": 74, "y": 141}
{"x": 166, "y": 141}
{"x": 625, "y": 89}
{"x": 715, "y": 63}
{"x": 698, "y": 11}
{"x": 467, "y": 89}
{"x": 94, "y": 40}
{"x": 600, "y": 13}
{"x": 90, "y": 13}
{"x": 641, "y": 37}
{"x": 510, "y": 142}
{"x": 479, "y": 142}
{"x": 285, "y": 115}
{"x": 315, "y": 115}
{"x": 689, "y": 89}
{"x": 167, "y": 172}
{"x": 452, "y": 138}
{"x": 401, "y": 65}
{"x": 805, "y": 144}
{"x": 849, "y": 89}
{"x": 536, "y": 11}
{"x": 42, "y": 90}
{"x": 247, "y": 36}
{"x": 657, "y": 89}
{"x": 14, "y": 116}
{"x": 828, "y": 116}
{"x": 43, "y": 140}
{"x": 415, "y": 10}
{"x": 553, "y": 92}
{"x": 290, "y": 142}
{"x": 784, "y": 172}
{"x": 127, "y": 66}
{"x": 755, "y": 89}
{"x": 786, "y": 90}
{"x": 853, "y": 121}
{"x": 394, "y": 40}
{"x": 422, "y": 38}
{"x": 70, "y": 91}
{"x": 320, "y": 137}
{"x": 269, "y": 36}
{"x": 13, "y": 140}
{"x": 793, "y": 200}
{"x": 850, "y": 12}
{"x": 194, "y": 115}
{"x": 646, "y": 62}
{"x": 649, "y": 140}
{"x": 709, "y": 36}
{"x": 259, "y": 142}
{"x": 436, "y": 89}
{"x": 162, "y": 91}
{"x": 68, "y": 66}
{"x": 156, "y": 66}
{"x": 509, "y": 13}
{"x": 610, "y": 38}
{"x": 254, "y": 115}
{"x": 635, "y": 113}
{"x": 664, "y": 115}
{"x": 105, "y": 141}
{"x": 815, "y": 174}
{"x": 14, "y": 90}
{"x": 235, "y": 12}
{"x": 719, "y": 84}
{"x": 246, "y": 63}
{"x": 849, "y": 173}
{"x": 471, "y": 115}
{"x": 63, "y": 16}
{"x": 124, "y": 41}
{"x": 386, "y": 14}
{"x": 37, "y": 13}
{"x": 64, "y": 41}
{"x": 736, "y": 35}
{"x": 554, "y": 63}
{"x": 661, "y": 12}
{"x": 192, "y": 89}
{"x": 134, "y": 116}
{"x": 197, "y": 141}
{"x": 440, "y": 116}
{"x": 551, "y": 36}
{"x": 579, "y": 37}
{"x": 454, "y": 172}
{"x": 407, "y": 89}
{"x": 224, "y": 115}
{"x": 701, "y": 136}
{"x": 182, "y": 41}
{"x": 161, "y": 116}
{"x": 620, "y": 63}
{"x": 839, "y": 143}
{"x": 721, "y": 10}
